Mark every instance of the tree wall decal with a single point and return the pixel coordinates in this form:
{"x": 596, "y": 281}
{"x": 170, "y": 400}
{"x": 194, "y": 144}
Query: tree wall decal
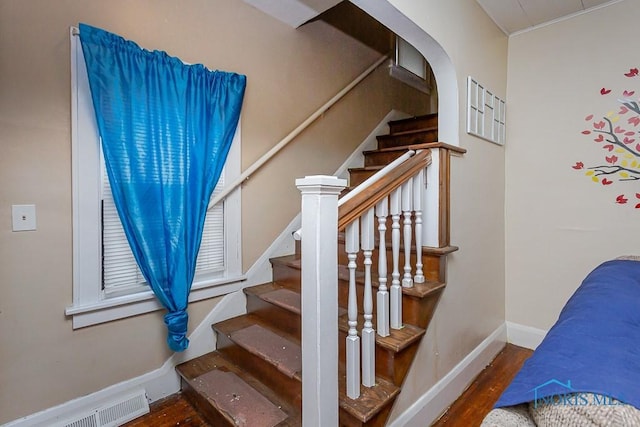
{"x": 615, "y": 132}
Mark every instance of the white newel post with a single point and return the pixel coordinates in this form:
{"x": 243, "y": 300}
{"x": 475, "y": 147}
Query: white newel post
{"x": 320, "y": 299}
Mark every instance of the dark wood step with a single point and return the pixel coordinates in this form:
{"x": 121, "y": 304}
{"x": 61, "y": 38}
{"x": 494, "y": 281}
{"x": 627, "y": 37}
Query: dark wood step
{"x": 358, "y": 175}
{"x": 276, "y": 304}
{"x": 384, "y": 156}
{"x": 227, "y": 395}
{"x": 394, "y": 353}
{"x": 413, "y": 137}
{"x": 373, "y": 406}
{"x": 287, "y": 271}
{"x": 414, "y": 123}
{"x": 275, "y": 358}
{"x": 279, "y": 306}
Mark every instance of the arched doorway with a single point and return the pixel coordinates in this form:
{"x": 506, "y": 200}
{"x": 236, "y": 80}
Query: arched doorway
{"x": 441, "y": 64}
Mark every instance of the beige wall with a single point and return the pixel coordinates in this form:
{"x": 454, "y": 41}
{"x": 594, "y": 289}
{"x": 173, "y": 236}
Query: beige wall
{"x": 472, "y": 306}
{"x": 560, "y": 224}
{"x": 43, "y": 362}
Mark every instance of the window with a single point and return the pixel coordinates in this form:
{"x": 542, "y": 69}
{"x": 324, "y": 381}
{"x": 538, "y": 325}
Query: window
{"x": 107, "y": 283}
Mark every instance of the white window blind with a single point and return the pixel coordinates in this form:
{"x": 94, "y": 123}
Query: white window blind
{"x": 120, "y": 272}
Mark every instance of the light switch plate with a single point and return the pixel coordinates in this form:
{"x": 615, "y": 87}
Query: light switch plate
{"x": 23, "y": 217}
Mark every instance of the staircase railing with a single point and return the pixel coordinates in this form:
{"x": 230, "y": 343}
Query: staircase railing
{"x": 397, "y": 191}
{"x": 399, "y": 194}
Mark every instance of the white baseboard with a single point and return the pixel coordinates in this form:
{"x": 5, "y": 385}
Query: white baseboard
{"x": 429, "y": 407}
{"x": 157, "y": 383}
{"x": 524, "y": 336}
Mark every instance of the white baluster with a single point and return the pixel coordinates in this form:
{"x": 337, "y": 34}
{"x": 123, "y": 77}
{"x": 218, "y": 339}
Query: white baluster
{"x": 418, "y": 189}
{"x": 382, "y": 210}
{"x": 367, "y": 240}
{"x": 353, "y": 341}
{"x": 407, "y": 198}
{"x": 395, "y": 315}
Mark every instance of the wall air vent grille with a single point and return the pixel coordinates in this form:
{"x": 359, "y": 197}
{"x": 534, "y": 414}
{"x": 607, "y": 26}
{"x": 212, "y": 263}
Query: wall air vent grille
{"x": 112, "y": 414}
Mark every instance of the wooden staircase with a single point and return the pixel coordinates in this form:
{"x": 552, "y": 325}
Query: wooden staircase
{"x": 254, "y": 376}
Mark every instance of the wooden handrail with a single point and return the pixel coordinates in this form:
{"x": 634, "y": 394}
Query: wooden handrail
{"x": 355, "y": 207}
{"x": 293, "y": 134}
{"x": 382, "y": 173}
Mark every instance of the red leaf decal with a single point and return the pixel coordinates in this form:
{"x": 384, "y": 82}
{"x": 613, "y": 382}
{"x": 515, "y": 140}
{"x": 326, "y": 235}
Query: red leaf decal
{"x": 599, "y": 125}
{"x": 618, "y": 129}
{"x": 637, "y": 147}
{"x": 590, "y": 116}
{"x": 586, "y": 132}
{"x": 632, "y": 72}
{"x": 634, "y": 121}
{"x": 628, "y": 93}
{"x": 605, "y": 91}
{"x": 580, "y": 165}
{"x": 610, "y": 147}
{"x": 605, "y": 181}
{"x": 600, "y": 138}
{"x": 630, "y": 133}
{"x": 621, "y": 199}
{"x": 611, "y": 159}
{"x": 637, "y": 195}
{"x": 628, "y": 140}
{"x": 638, "y": 206}
{"x": 623, "y": 110}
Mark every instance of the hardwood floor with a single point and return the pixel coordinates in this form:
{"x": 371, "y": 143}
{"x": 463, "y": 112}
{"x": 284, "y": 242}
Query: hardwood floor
{"x": 476, "y": 402}
{"x": 171, "y": 411}
{"x": 467, "y": 411}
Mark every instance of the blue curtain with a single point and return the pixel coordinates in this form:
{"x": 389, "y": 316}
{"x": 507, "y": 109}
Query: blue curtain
{"x": 166, "y": 130}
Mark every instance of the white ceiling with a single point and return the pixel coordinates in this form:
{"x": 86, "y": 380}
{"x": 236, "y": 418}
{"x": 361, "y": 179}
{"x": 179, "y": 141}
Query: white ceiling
{"x": 518, "y": 15}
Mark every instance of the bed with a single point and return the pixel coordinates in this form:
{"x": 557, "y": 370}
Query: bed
{"x": 586, "y": 371}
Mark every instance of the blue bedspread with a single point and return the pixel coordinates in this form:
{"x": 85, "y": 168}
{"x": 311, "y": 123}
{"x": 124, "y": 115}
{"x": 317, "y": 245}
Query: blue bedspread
{"x": 594, "y": 347}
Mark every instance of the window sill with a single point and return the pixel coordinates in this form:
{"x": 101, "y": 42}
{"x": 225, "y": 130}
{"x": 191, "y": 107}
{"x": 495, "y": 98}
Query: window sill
{"x": 107, "y": 310}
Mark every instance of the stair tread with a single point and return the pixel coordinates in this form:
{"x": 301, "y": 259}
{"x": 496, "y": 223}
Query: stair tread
{"x": 371, "y": 399}
{"x": 413, "y": 119}
{"x": 402, "y": 148}
{"x": 366, "y": 168}
{"x": 276, "y": 349}
{"x": 237, "y": 400}
{"x": 277, "y": 295}
{"x": 408, "y": 132}
{"x": 201, "y": 366}
{"x": 282, "y": 297}
{"x": 420, "y": 290}
{"x": 398, "y": 339}
{"x": 286, "y": 260}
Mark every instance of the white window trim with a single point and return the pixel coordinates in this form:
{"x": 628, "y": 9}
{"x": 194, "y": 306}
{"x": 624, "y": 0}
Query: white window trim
{"x": 90, "y": 306}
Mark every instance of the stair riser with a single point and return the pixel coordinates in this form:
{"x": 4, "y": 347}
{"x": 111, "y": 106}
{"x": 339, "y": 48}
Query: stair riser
{"x": 414, "y": 124}
{"x": 432, "y": 265}
{"x": 381, "y": 158}
{"x": 401, "y": 140}
{"x": 281, "y": 318}
{"x": 289, "y": 389}
{"x": 415, "y": 311}
{"x": 357, "y": 176}
{"x": 379, "y": 420}
{"x": 419, "y": 311}
{"x": 390, "y": 365}
{"x": 287, "y": 276}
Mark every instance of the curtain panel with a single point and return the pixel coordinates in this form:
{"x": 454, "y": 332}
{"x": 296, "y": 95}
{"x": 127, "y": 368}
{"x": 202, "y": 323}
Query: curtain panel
{"x": 166, "y": 129}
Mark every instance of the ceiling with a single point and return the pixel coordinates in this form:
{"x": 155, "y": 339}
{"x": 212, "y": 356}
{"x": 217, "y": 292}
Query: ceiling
{"x": 518, "y": 15}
